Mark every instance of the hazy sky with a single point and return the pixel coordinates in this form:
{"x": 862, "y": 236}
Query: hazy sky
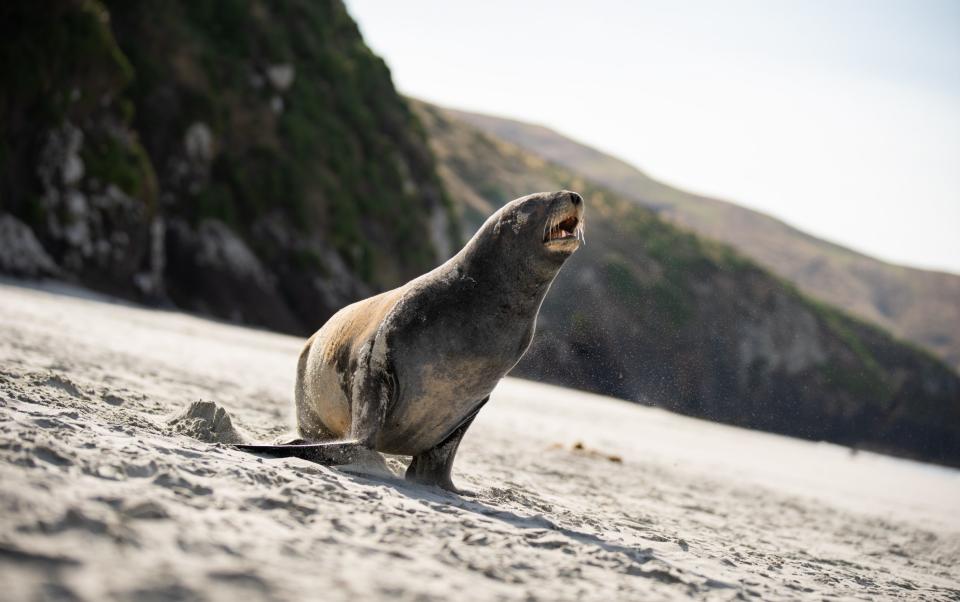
{"x": 841, "y": 117}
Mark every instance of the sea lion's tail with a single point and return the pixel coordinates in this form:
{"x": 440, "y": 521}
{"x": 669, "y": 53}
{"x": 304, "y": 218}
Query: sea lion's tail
{"x": 329, "y": 454}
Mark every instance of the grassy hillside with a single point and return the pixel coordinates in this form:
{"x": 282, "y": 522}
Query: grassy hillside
{"x": 918, "y": 305}
{"x": 649, "y": 312}
{"x": 244, "y": 158}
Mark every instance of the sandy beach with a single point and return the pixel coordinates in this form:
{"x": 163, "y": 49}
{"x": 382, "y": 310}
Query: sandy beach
{"x": 113, "y": 487}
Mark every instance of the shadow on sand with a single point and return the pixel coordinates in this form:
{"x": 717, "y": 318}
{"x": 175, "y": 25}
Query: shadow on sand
{"x": 445, "y": 501}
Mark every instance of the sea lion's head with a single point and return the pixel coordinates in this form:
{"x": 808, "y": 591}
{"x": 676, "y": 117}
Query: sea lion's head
{"x": 528, "y": 239}
{"x": 544, "y": 225}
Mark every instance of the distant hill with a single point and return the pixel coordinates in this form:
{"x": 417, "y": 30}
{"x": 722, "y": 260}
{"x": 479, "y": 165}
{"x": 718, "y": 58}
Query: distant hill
{"x": 918, "y": 305}
{"x": 649, "y": 312}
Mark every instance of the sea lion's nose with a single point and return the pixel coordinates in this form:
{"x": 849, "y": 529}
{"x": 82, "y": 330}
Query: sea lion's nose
{"x": 575, "y": 198}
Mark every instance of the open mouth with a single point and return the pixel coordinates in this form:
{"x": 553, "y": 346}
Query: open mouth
{"x": 569, "y": 228}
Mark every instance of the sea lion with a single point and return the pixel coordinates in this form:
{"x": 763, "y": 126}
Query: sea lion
{"x": 406, "y": 371}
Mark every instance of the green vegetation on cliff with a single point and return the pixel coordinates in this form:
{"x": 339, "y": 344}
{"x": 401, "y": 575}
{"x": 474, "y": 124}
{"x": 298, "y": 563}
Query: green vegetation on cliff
{"x": 302, "y": 118}
{"x": 278, "y": 173}
{"x": 60, "y": 63}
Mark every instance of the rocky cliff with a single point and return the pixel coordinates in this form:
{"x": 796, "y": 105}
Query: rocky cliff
{"x": 649, "y": 312}
{"x": 245, "y": 159}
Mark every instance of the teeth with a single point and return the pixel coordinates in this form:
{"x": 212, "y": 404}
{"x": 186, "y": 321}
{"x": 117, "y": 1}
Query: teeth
{"x": 556, "y": 230}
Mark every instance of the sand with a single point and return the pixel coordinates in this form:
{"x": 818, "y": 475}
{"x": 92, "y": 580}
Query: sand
{"x": 112, "y": 487}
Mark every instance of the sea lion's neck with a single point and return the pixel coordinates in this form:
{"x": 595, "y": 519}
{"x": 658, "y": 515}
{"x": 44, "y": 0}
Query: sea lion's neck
{"x": 521, "y": 283}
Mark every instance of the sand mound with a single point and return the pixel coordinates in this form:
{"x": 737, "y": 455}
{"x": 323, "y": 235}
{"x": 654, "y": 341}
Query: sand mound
{"x": 208, "y": 422}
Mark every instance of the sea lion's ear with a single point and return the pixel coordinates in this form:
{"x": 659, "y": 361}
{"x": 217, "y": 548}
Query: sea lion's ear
{"x": 504, "y": 221}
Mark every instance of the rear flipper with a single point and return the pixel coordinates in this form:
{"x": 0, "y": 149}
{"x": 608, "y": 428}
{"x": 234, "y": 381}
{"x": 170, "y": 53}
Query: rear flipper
{"x": 433, "y": 467}
{"x": 329, "y": 454}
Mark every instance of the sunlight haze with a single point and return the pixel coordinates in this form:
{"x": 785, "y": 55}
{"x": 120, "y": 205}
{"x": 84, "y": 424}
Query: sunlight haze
{"x": 841, "y": 118}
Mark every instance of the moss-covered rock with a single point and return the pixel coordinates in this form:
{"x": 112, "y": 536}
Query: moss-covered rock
{"x": 272, "y": 119}
{"x": 74, "y": 170}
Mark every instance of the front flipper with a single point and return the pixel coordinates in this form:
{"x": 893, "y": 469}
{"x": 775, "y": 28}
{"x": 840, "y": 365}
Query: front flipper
{"x": 433, "y": 467}
{"x": 329, "y": 454}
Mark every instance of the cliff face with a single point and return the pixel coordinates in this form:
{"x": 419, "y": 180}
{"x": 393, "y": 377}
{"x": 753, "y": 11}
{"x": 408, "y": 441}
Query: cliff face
{"x": 248, "y": 159}
{"x": 918, "y": 305}
{"x": 651, "y": 313}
